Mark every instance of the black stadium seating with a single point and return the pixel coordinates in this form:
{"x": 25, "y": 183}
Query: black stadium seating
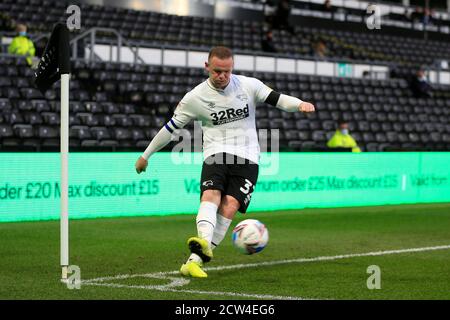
{"x": 382, "y": 115}
{"x": 152, "y": 28}
{"x": 122, "y": 106}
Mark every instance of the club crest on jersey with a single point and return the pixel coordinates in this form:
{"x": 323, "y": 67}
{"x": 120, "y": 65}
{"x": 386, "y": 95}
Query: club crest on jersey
{"x": 242, "y": 97}
{"x": 230, "y": 115}
{"x": 208, "y": 183}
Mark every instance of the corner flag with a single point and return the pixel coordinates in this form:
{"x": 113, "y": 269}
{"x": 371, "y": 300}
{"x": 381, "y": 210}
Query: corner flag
{"x": 56, "y": 58}
{"x": 55, "y": 64}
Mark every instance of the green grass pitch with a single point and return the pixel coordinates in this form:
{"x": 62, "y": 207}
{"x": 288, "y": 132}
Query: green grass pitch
{"x": 29, "y": 257}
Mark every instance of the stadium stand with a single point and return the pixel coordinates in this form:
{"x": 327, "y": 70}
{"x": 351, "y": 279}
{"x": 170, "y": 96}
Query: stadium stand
{"x": 152, "y": 28}
{"x": 120, "y": 106}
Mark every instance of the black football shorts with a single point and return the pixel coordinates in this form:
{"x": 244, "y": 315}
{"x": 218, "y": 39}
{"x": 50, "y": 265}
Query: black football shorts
{"x": 232, "y": 175}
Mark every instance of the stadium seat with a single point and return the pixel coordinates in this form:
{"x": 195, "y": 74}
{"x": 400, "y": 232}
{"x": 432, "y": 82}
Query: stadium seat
{"x": 137, "y": 134}
{"x": 51, "y": 118}
{"x": 47, "y": 132}
{"x": 23, "y": 130}
{"x": 33, "y": 118}
{"x": 80, "y": 132}
{"x": 121, "y": 133}
{"x": 88, "y": 119}
{"x": 141, "y": 120}
{"x": 123, "y": 120}
{"x": 40, "y": 105}
{"x": 100, "y": 133}
{"x": 107, "y": 120}
{"x": 382, "y": 112}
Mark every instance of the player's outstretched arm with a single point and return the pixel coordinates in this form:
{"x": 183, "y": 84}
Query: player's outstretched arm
{"x": 181, "y": 117}
{"x": 306, "y": 107}
{"x": 289, "y": 103}
{"x": 141, "y": 165}
{"x": 158, "y": 142}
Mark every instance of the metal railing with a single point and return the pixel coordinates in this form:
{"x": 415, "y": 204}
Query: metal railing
{"x": 112, "y": 38}
{"x": 87, "y": 39}
{"x": 95, "y": 36}
{"x": 92, "y": 35}
{"x": 254, "y": 53}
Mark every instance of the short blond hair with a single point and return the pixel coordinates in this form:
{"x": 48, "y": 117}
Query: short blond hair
{"x": 220, "y": 52}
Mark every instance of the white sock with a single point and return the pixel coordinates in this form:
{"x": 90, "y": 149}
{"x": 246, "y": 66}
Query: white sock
{"x": 194, "y": 257}
{"x": 220, "y": 230}
{"x": 206, "y": 220}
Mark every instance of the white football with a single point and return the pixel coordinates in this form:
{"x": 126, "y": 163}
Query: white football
{"x": 250, "y": 236}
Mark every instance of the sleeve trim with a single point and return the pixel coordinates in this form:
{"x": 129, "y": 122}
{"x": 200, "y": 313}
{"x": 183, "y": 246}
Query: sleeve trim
{"x": 168, "y": 128}
{"x": 173, "y": 123}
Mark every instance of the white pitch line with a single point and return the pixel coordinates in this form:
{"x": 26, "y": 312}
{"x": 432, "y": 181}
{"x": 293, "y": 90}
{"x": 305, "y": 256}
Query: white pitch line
{"x": 216, "y": 293}
{"x": 327, "y": 258}
{"x": 272, "y": 263}
{"x": 176, "y": 282}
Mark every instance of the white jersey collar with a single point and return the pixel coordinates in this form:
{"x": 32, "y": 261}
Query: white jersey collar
{"x": 227, "y": 88}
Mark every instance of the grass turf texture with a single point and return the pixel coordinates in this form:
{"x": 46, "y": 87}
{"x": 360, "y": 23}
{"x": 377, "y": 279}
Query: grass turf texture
{"x": 29, "y": 255}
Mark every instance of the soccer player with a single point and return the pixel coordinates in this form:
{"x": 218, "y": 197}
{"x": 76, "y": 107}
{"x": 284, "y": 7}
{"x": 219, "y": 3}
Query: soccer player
{"x": 225, "y": 103}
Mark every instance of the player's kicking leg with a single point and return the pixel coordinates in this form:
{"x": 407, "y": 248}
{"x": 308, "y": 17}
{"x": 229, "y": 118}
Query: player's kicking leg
{"x": 227, "y": 210}
{"x": 225, "y": 189}
{"x": 200, "y": 246}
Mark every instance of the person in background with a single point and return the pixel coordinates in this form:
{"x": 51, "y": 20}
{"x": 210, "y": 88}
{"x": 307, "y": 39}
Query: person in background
{"x": 267, "y": 43}
{"x": 427, "y": 17}
{"x": 22, "y": 45}
{"x": 342, "y": 138}
{"x": 420, "y": 86}
{"x": 327, "y": 7}
{"x": 282, "y": 15}
{"x": 269, "y": 14}
{"x": 320, "y": 49}
{"x": 417, "y": 15}
{"x": 6, "y": 23}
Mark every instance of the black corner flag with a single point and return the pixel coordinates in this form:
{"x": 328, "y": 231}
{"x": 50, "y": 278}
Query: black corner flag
{"x": 55, "y": 60}
{"x": 55, "y": 65}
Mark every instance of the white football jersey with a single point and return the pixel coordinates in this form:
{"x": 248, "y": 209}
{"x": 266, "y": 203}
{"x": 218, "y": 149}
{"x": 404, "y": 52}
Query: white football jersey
{"x": 227, "y": 116}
